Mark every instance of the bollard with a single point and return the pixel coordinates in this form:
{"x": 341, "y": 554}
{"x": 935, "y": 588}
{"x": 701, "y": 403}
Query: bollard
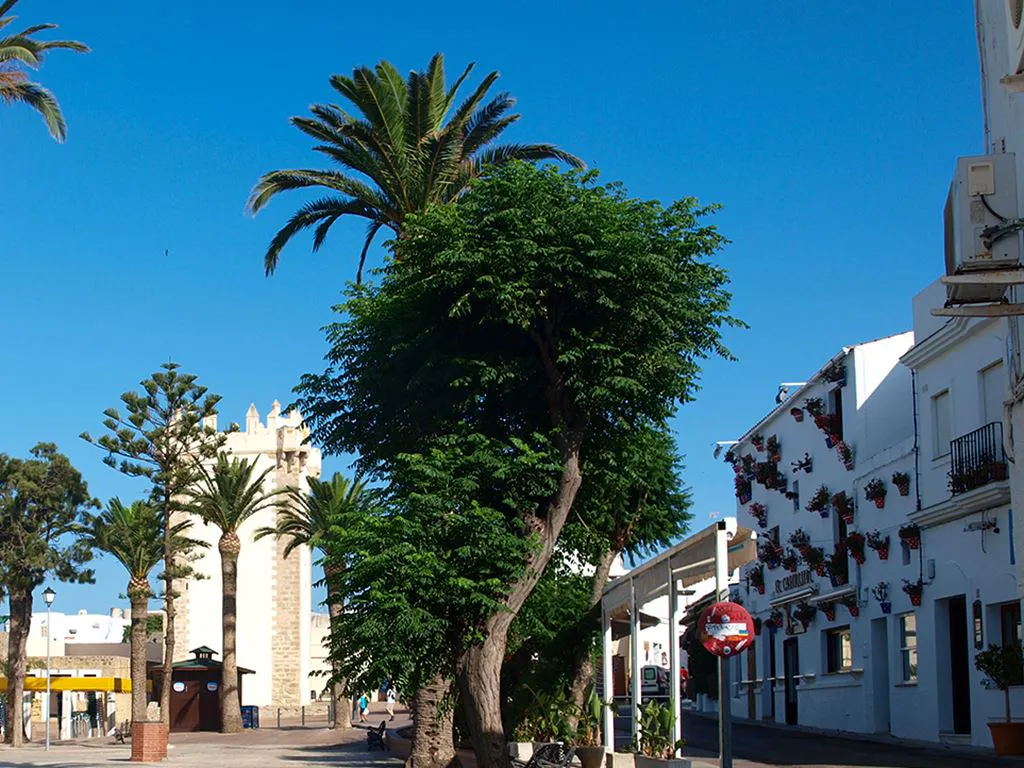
{"x": 303, "y": 714}
{"x": 279, "y": 718}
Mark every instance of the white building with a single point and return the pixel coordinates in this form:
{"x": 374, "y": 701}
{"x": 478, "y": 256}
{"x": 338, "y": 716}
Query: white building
{"x": 81, "y": 627}
{"x": 275, "y": 615}
{"x": 865, "y": 658}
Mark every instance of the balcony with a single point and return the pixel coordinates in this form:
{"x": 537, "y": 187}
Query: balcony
{"x": 977, "y": 459}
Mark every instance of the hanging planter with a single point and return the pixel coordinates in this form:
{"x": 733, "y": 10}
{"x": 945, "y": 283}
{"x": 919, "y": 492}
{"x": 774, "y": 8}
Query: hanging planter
{"x": 851, "y": 604}
{"x": 800, "y": 541}
{"x": 797, "y": 414}
{"x": 830, "y": 442}
{"x": 775, "y": 620}
{"x": 757, "y": 579}
{"x": 758, "y": 442}
{"x": 879, "y": 543}
{"x": 814, "y": 406}
{"x": 774, "y": 449}
{"x": 843, "y": 505}
{"x": 819, "y": 502}
{"x": 815, "y": 559}
{"x": 835, "y": 373}
{"x": 790, "y": 562}
{"x": 881, "y": 593}
{"x": 902, "y": 482}
{"x": 855, "y": 546}
{"x": 806, "y": 464}
{"x": 875, "y": 491}
{"x": 828, "y": 607}
{"x": 768, "y": 554}
{"x": 914, "y": 589}
{"x": 845, "y": 453}
{"x": 743, "y": 489}
{"x": 760, "y": 513}
{"x": 804, "y": 613}
{"x": 911, "y": 535}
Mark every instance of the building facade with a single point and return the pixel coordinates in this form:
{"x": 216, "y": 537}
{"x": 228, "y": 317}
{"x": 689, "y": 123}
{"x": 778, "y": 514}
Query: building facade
{"x": 275, "y": 618}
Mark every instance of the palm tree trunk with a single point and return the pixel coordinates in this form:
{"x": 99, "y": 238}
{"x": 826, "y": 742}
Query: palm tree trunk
{"x": 230, "y": 705}
{"x": 433, "y": 720}
{"x": 340, "y": 702}
{"x": 140, "y": 616}
{"x": 19, "y": 601}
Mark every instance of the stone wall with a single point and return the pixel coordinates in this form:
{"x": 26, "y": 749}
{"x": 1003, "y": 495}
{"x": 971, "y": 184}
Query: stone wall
{"x": 287, "y": 686}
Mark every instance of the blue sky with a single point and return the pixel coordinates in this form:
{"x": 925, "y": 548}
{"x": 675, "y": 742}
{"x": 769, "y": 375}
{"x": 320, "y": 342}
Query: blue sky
{"x": 827, "y": 130}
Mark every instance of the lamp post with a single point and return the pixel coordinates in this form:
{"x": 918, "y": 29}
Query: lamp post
{"x": 48, "y": 596}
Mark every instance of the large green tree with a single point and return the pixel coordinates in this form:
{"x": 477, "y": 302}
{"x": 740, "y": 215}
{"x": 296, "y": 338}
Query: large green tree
{"x": 164, "y": 435}
{"x": 226, "y": 496}
{"x": 309, "y": 518}
{"x": 43, "y": 508}
{"x": 22, "y": 50}
{"x": 539, "y": 311}
{"x": 133, "y": 535}
{"x": 408, "y": 146}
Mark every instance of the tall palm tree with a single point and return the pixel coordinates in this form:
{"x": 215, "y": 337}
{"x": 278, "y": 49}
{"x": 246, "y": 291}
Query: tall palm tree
{"x": 18, "y": 51}
{"x": 306, "y": 518}
{"x": 133, "y": 535}
{"x": 227, "y": 495}
{"x": 405, "y": 142}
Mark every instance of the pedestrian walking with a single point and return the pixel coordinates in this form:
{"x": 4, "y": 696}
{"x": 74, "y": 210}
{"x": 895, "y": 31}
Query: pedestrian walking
{"x": 364, "y": 708}
{"x": 391, "y": 702}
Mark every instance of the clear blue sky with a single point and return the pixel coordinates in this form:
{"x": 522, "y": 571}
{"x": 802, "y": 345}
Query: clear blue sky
{"x": 827, "y": 130}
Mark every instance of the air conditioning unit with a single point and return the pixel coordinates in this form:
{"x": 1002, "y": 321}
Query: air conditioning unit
{"x": 1015, "y": 34}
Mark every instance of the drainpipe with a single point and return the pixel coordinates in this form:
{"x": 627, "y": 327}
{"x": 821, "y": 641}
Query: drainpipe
{"x": 917, "y": 440}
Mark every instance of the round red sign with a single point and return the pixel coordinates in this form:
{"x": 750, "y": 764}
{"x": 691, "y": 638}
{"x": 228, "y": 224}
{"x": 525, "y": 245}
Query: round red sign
{"x": 725, "y": 628}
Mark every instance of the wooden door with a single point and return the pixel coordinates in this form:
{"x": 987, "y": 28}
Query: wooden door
{"x": 185, "y": 705}
{"x": 209, "y": 704}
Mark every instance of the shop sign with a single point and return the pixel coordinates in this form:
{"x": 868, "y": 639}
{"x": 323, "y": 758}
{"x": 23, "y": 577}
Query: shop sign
{"x": 794, "y": 581}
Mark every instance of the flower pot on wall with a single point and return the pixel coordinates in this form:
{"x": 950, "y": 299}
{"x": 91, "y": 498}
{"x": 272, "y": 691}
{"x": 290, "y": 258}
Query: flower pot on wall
{"x": 903, "y": 489}
{"x": 879, "y": 502}
{"x": 797, "y": 414}
{"x": 883, "y": 554}
{"x": 915, "y": 600}
{"x": 886, "y": 607}
{"x": 1007, "y": 738}
{"x": 913, "y": 543}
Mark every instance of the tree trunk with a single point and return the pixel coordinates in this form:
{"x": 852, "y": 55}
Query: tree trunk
{"x": 433, "y": 721}
{"x": 167, "y": 672}
{"x": 342, "y": 704}
{"x": 140, "y": 616}
{"x": 479, "y": 672}
{"x": 19, "y": 601}
{"x": 583, "y": 666}
{"x": 230, "y": 705}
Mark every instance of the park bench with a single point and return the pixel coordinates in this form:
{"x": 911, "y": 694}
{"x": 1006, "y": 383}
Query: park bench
{"x": 548, "y": 756}
{"x": 375, "y": 737}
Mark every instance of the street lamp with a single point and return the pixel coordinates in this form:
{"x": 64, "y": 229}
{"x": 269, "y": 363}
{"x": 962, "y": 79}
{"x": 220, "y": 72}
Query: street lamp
{"x": 48, "y": 596}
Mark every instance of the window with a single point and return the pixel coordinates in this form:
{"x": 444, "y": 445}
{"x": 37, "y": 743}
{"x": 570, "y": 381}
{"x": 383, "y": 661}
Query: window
{"x": 773, "y": 535}
{"x": 795, "y": 495}
{"x": 942, "y": 420}
{"x": 993, "y": 385}
{"x": 1010, "y": 627}
{"x": 905, "y": 551}
{"x": 908, "y": 647}
{"x": 835, "y": 407}
{"x": 838, "y": 650}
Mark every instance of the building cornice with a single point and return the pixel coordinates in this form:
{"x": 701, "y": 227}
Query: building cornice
{"x": 980, "y": 499}
{"x": 953, "y": 332}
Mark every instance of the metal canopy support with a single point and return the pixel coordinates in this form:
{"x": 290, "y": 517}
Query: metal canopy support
{"x": 722, "y": 593}
{"x": 674, "y": 677}
{"x": 994, "y": 277}
{"x": 608, "y": 684}
{"x": 634, "y": 660}
{"x": 985, "y": 310}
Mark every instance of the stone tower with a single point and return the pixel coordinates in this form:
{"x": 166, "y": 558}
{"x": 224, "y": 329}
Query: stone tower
{"x": 274, "y": 592}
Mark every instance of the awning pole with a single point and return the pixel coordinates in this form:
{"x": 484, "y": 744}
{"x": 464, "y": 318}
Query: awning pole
{"x": 607, "y": 683}
{"x": 634, "y": 647}
{"x": 674, "y": 677}
{"x": 722, "y": 590}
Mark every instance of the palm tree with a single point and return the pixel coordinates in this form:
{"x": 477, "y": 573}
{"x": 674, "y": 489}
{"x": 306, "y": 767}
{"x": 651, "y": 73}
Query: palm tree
{"x": 20, "y": 50}
{"x": 406, "y": 143}
{"x": 305, "y": 518}
{"x": 134, "y": 536}
{"x": 227, "y": 496}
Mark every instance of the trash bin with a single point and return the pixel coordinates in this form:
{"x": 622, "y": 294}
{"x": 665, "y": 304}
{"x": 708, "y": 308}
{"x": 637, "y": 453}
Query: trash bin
{"x": 250, "y": 717}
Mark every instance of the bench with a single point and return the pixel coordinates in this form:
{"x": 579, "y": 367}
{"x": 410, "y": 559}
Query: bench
{"x": 548, "y": 756}
{"x": 375, "y": 737}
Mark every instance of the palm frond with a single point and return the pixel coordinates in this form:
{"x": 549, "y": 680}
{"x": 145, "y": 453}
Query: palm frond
{"x": 39, "y": 99}
{"x": 310, "y": 215}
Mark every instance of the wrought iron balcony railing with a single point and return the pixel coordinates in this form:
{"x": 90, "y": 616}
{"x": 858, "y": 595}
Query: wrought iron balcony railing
{"x": 977, "y": 459}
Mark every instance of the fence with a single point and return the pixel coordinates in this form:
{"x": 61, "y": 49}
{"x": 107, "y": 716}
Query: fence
{"x": 312, "y": 716}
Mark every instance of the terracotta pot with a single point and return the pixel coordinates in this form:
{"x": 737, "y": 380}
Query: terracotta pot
{"x": 858, "y": 559}
{"x": 854, "y": 610}
{"x": 797, "y": 414}
{"x": 820, "y": 569}
{"x": 886, "y": 607}
{"x": 1007, "y": 738}
{"x": 848, "y": 518}
{"x": 759, "y": 588}
{"x": 915, "y": 600}
{"x": 903, "y": 489}
{"x": 879, "y": 502}
{"x": 914, "y": 543}
{"x": 883, "y": 554}
{"x": 590, "y": 757}
{"x": 823, "y": 512}
{"x": 830, "y": 615}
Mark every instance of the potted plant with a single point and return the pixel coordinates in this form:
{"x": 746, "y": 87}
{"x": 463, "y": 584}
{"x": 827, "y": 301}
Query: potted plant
{"x": 757, "y": 579}
{"x": 589, "y": 748}
{"x": 774, "y": 449}
{"x": 819, "y": 502}
{"x": 851, "y": 604}
{"x": 902, "y": 482}
{"x": 879, "y": 543}
{"x": 911, "y": 535}
{"x": 775, "y": 619}
{"x": 743, "y": 489}
{"x": 914, "y": 589}
{"x": 656, "y": 745}
{"x": 769, "y": 555}
{"x": 1003, "y": 665}
{"x": 800, "y": 540}
{"x": 843, "y": 506}
{"x": 797, "y": 414}
{"x": 835, "y": 373}
{"x": 815, "y": 559}
{"x": 828, "y": 607}
{"x": 845, "y": 453}
{"x": 790, "y": 561}
{"x": 875, "y": 491}
{"x": 815, "y": 406}
{"x": 855, "y": 546}
{"x": 804, "y": 613}
{"x": 749, "y": 464}
{"x": 760, "y": 513}
{"x": 757, "y": 441}
{"x": 881, "y": 593}
{"x": 806, "y": 464}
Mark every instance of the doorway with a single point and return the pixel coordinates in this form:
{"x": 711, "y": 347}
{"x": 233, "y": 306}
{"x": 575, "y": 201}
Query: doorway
{"x": 751, "y": 677}
{"x": 880, "y": 674}
{"x": 791, "y": 668}
{"x": 770, "y": 683}
{"x": 959, "y": 657}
